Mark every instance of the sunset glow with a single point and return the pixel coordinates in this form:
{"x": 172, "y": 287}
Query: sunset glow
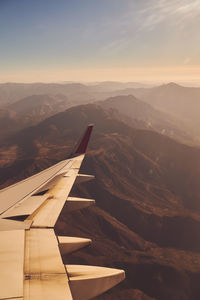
{"x": 154, "y": 40}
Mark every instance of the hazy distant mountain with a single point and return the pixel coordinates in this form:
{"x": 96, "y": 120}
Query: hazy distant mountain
{"x": 75, "y": 92}
{"x": 12, "y": 92}
{"x": 141, "y": 115}
{"x": 181, "y": 102}
{"x": 30, "y": 111}
{"x": 147, "y": 218}
{"x": 109, "y": 86}
{"x": 33, "y": 109}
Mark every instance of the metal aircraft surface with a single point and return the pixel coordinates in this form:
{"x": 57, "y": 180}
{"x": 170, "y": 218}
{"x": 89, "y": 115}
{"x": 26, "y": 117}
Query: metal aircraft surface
{"x": 31, "y": 265}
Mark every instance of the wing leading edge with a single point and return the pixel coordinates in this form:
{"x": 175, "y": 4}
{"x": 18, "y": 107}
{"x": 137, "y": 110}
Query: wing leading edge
{"x": 30, "y": 252}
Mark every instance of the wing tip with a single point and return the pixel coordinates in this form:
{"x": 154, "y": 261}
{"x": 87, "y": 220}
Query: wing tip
{"x": 83, "y": 143}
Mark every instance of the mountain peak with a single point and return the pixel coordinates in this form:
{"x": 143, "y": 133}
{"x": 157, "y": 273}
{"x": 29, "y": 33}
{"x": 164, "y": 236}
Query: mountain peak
{"x": 172, "y": 85}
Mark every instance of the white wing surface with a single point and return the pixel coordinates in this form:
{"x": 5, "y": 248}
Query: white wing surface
{"x": 31, "y": 266}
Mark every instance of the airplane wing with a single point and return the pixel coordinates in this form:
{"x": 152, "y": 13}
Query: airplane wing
{"x": 31, "y": 266}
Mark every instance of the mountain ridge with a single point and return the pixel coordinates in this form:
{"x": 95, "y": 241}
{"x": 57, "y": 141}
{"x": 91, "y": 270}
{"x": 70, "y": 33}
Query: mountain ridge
{"x": 141, "y": 115}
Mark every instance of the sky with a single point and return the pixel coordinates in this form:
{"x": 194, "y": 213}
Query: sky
{"x": 99, "y": 40}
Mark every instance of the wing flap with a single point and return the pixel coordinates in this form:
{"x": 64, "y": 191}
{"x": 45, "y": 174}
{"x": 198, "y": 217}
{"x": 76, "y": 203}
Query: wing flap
{"x": 25, "y": 207}
{"x": 42, "y": 255}
{"x": 44, "y": 210}
{"x": 48, "y": 213}
{"x": 11, "y": 263}
{"x": 24, "y": 189}
{"x": 45, "y": 274}
{"x": 47, "y": 287}
{"x": 6, "y": 225}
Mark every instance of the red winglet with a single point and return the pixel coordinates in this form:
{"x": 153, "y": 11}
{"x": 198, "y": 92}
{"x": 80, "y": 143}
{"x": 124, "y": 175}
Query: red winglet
{"x": 82, "y": 145}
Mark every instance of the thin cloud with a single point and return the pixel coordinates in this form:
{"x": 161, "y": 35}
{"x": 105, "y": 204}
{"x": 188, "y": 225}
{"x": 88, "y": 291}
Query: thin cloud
{"x": 178, "y": 12}
{"x": 187, "y": 60}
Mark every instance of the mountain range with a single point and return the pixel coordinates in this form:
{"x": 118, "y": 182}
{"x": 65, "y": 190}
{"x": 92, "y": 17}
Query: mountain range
{"x": 13, "y": 92}
{"x": 30, "y": 111}
{"x": 133, "y": 111}
{"x": 147, "y": 217}
{"x": 78, "y": 93}
{"x": 181, "y": 102}
{"x": 142, "y": 115}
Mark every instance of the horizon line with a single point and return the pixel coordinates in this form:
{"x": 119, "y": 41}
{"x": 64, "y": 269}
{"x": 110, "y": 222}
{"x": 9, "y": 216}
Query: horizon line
{"x": 179, "y": 82}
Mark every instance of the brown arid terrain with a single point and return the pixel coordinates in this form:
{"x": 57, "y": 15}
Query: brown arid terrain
{"x": 147, "y": 214}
